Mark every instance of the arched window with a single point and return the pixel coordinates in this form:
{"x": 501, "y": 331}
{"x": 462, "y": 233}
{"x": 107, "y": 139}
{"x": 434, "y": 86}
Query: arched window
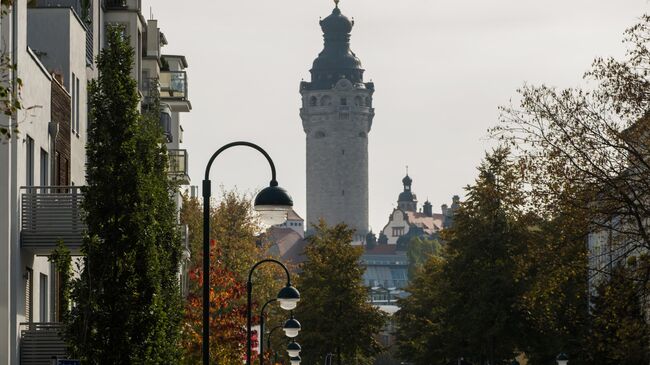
{"x": 313, "y": 101}
{"x": 325, "y": 101}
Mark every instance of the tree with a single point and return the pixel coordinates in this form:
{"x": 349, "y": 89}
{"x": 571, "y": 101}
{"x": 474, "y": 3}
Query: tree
{"x": 589, "y": 147}
{"x": 620, "y": 331}
{"x": 421, "y": 330}
{"x": 235, "y": 248}
{"x": 419, "y": 250}
{"x": 334, "y": 306}
{"x": 467, "y": 301}
{"x": 128, "y": 307}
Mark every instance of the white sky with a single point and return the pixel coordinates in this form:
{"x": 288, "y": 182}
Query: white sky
{"x": 441, "y": 68}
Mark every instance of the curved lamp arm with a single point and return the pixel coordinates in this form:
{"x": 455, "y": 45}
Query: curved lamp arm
{"x": 246, "y": 144}
{"x": 250, "y": 273}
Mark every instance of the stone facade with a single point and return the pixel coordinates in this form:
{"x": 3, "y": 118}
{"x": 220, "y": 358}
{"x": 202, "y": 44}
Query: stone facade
{"x": 337, "y": 116}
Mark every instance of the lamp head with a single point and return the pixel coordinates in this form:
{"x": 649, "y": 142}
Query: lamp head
{"x": 288, "y": 297}
{"x": 293, "y": 349}
{"x": 273, "y": 203}
{"x": 295, "y": 360}
{"x": 562, "y": 359}
{"x": 291, "y": 327}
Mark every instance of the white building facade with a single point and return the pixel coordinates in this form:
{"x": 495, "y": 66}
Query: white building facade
{"x": 54, "y": 43}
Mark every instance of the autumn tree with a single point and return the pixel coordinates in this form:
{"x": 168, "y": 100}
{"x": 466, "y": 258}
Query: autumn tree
{"x": 620, "y": 331}
{"x": 334, "y": 307}
{"x": 128, "y": 307}
{"x": 588, "y": 147}
{"x": 236, "y": 247}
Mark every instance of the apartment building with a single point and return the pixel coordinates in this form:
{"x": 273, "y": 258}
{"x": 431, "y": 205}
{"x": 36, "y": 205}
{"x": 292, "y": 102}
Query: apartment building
{"x": 54, "y": 44}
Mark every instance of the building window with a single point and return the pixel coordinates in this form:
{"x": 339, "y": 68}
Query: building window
{"x": 398, "y": 231}
{"x": 313, "y": 101}
{"x": 44, "y": 297}
{"x": 368, "y": 102}
{"x": 319, "y": 134}
{"x": 73, "y": 100}
{"x": 29, "y": 163}
{"x": 325, "y": 101}
{"x": 358, "y": 101}
{"x": 344, "y": 101}
{"x": 45, "y": 168}
{"x": 76, "y": 112}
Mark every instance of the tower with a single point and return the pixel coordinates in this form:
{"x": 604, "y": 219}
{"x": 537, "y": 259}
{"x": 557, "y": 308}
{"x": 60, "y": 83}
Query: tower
{"x": 407, "y": 201}
{"x": 336, "y": 116}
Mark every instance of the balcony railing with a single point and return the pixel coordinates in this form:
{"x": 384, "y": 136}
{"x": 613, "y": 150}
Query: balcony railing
{"x": 178, "y": 166}
{"x": 123, "y": 4}
{"x": 40, "y": 342}
{"x": 50, "y": 214}
{"x": 173, "y": 85}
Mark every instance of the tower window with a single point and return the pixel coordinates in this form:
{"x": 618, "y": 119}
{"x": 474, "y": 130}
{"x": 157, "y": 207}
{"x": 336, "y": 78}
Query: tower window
{"x": 342, "y": 192}
{"x": 344, "y": 101}
{"x": 343, "y": 152}
{"x": 325, "y": 100}
{"x": 313, "y": 101}
{"x": 358, "y": 101}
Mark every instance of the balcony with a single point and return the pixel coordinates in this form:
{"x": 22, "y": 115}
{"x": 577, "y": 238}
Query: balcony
{"x": 123, "y": 5}
{"x": 173, "y": 90}
{"x": 50, "y": 214}
{"x": 178, "y": 166}
{"x": 40, "y": 342}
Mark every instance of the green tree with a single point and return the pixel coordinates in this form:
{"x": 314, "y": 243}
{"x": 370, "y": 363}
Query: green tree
{"x": 419, "y": 250}
{"x": 468, "y": 300}
{"x": 334, "y": 307}
{"x": 421, "y": 334}
{"x": 128, "y": 307}
{"x": 620, "y": 331}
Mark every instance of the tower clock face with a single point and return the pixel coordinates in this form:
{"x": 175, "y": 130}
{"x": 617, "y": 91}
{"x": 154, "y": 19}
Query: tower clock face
{"x": 344, "y": 84}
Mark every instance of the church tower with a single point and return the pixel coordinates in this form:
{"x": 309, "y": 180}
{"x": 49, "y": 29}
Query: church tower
{"x": 336, "y": 116}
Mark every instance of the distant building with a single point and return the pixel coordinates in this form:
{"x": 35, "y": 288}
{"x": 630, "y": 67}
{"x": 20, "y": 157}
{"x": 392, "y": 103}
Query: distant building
{"x": 405, "y": 220}
{"x": 337, "y": 115}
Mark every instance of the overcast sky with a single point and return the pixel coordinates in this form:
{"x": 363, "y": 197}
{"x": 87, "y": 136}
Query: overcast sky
{"x": 441, "y": 69}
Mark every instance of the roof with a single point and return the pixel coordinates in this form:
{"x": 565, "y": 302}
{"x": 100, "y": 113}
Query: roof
{"x": 428, "y": 224}
{"x": 287, "y": 244}
{"x": 382, "y": 250}
{"x": 293, "y": 216}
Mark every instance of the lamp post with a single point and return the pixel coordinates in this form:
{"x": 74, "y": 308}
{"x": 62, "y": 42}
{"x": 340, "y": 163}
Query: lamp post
{"x": 272, "y": 202}
{"x": 288, "y": 298}
{"x": 262, "y": 314}
{"x": 562, "y": 359}
{"x": 268, "y": 340}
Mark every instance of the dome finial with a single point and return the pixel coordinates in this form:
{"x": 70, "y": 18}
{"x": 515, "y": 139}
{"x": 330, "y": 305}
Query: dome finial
{"x": 336, "y": 2}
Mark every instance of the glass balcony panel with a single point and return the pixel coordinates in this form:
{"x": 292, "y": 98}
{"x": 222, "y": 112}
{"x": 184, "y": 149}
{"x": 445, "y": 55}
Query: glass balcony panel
{"x": 173, "y": 85}
{"x": 178, "y": 166}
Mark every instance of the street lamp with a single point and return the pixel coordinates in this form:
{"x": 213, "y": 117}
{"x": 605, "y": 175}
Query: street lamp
{"x": 293, "y": 349}
{"x": 562, "y": 359}
{"x": 272, "y": 203}
{"x": 291, "y": 327}
{"x": 262, "y": 315}
{"x": 295, "y": 360}
{"x": 288, "y": 297}
{"x": 268, "y": 340}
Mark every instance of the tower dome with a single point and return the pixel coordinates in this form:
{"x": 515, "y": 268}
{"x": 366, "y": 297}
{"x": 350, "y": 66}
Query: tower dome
{"x": 336, "y": 61}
